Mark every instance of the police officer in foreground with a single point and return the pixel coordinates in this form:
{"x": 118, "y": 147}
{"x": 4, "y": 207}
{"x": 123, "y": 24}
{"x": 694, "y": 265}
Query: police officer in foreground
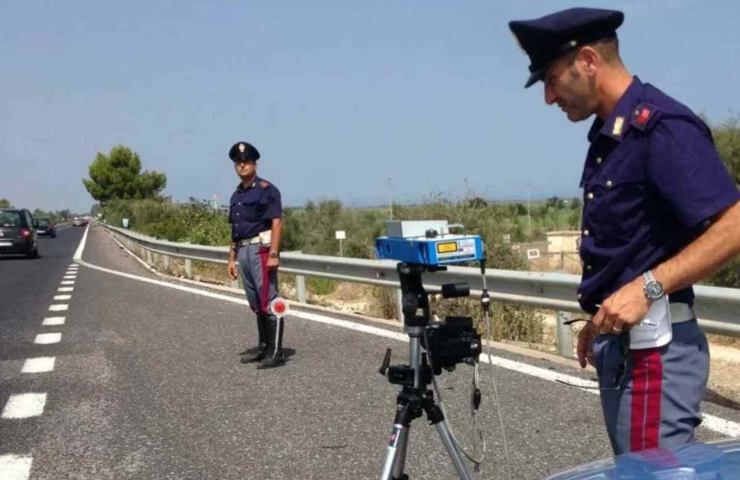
{"x": 660, "y": 213}
{"x": 255, "y": 214}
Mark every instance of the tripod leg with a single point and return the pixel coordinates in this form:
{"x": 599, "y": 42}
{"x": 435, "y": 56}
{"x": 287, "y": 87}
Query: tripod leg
{"x": 395, "y": 454}
{"x": 457, "y": 460}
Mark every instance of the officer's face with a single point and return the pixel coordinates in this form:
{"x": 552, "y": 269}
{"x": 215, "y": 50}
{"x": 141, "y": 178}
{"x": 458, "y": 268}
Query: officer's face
{"x": 570, "y": 88}
{"x": 245, "y": 168}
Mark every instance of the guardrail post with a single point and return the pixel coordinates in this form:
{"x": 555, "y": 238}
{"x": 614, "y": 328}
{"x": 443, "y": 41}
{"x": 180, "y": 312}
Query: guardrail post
{"x": 399, "y": 304}
{"x": 166, "y": 262}
{"x": 148, "y": 256}
{"x": 565, "y": 335}
{"x": 300, "y": 285}
{"x": 188, "y": 268}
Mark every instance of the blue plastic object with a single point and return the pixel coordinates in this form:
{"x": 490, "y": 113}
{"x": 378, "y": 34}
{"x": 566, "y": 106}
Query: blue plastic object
{"x": 444, "y": 250}
{"x": 697, "y": 461}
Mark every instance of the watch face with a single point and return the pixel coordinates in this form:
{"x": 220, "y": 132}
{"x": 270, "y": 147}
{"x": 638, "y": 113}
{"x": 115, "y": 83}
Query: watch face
{"x": 653, "y": 290}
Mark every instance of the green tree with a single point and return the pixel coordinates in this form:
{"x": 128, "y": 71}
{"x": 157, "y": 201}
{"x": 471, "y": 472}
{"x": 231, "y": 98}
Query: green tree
{"x": 5, "y": 203}
{"x": 119, "y": 176}
{"x": 727, "y": 139}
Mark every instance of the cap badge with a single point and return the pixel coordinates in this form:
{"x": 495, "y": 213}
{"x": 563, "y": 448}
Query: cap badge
{"x": 242, "y": 147}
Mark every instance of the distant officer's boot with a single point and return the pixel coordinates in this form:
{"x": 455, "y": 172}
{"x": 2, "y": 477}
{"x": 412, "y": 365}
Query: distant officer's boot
{"x": 255, "y": 354}
{"x": 274, "y": 356}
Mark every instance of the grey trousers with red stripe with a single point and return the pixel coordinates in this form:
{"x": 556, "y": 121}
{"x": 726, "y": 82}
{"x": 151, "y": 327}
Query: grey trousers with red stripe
{"x": 651, "y": 398}
{"x": 260, "y": 285}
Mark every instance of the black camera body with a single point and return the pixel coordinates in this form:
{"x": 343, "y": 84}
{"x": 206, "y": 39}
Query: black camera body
{"x": 450, "y": 342}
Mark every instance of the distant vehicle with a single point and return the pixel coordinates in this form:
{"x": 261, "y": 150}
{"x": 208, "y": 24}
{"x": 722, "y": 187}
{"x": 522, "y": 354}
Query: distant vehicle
{"x": 45, "y": 228}
{"x": 79, "y": 222}
{"x": 17, "y": 233}
{"x": 714, "y": 460}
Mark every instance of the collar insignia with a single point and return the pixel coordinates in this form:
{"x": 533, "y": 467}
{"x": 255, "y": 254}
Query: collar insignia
{"x": 618, "y": 126}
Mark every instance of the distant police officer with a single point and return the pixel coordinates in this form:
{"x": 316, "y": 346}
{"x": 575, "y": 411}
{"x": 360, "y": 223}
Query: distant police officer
{"x": 660, "y": 213}
{"x": 255, "y": 214}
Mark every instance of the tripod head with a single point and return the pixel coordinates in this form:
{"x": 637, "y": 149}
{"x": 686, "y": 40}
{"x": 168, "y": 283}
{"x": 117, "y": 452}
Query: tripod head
{"x": 447, "y": 343}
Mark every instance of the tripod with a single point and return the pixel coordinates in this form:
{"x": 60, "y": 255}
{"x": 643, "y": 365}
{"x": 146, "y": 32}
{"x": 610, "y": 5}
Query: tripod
{"x": 415, "y": 396}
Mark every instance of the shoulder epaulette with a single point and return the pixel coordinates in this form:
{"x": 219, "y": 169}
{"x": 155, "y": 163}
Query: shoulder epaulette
{"x": 264, "y": 184}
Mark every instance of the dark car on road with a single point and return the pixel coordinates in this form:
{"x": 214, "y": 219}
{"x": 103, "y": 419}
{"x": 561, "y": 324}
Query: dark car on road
{"x": 45, "y": 228}
{"x": 17, "y": 233}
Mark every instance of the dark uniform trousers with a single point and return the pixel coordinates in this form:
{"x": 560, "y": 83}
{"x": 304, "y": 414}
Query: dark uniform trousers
{"x": 260, "y": 285}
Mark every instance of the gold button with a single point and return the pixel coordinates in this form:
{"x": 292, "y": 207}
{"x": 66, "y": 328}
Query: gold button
{"x": 609, "y": 184}
{"x": 585, "y": 233}
{"x": 598, "y": 160}
{"x": 590, "y": 195}
{"x": 580, "y": 296}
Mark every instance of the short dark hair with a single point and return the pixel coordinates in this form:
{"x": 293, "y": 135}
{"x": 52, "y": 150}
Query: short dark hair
{"x": 608, "y": 48}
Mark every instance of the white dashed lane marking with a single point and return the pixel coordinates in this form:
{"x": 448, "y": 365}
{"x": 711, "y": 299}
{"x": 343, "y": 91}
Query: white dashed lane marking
{"x": 65, "y": 289}
{"x": 62, "y": 297}
{"x": 48, "y": 338}
{"x": 49, "y": 321}
{"x": 68, "y": 282}
{"x": 58, "y": 308}
{"x": 39, "y": 365}
{"x": 15, "y": 467}
{"x": 24, "y": 405}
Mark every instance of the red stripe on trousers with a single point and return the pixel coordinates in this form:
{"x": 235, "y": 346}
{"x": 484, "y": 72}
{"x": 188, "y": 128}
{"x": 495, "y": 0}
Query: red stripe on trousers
{"x": 647, "y": 382}
{"x": 265, "y": 287}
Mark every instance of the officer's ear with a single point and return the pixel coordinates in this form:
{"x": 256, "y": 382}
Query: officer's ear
{"x": 590, "y": 60}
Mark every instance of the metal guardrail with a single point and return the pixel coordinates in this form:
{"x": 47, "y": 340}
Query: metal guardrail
{"x": 718, "y": 308}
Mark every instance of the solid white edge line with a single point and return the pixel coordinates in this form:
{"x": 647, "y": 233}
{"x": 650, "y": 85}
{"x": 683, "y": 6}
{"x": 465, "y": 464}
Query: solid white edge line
{"x": 15, "y": 467}
{"x": 24, "y": 405}
{"x": 39, "y": 365}
{"x": 81, "y": 247}
{"x": 716, "y": 424}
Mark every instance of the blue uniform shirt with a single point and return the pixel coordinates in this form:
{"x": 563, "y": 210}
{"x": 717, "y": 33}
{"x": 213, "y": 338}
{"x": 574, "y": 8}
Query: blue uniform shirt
{"x": 651, "y": 182}
{"x": 252, "y": 209}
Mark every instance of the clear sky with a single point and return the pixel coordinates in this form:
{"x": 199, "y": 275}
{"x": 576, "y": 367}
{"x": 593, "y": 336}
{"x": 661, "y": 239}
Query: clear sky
{"x": 338, "y": 95}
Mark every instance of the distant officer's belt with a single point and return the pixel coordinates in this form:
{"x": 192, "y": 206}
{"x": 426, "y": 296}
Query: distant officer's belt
{"x": 263, "y": 238}
{"x": 681, "y": 312}
{"x": 249, "y": 241}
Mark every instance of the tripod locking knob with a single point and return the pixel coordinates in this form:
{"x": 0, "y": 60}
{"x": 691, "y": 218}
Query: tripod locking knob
{"x": 386, "y": 362}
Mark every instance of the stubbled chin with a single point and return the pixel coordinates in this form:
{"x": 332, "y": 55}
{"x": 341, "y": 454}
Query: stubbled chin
{"x": 574, "y": 117}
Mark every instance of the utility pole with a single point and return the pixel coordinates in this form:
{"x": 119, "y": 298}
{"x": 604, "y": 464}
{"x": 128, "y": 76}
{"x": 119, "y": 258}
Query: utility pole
{"x": 529, "y": 213}
{"x": 390, "y": 197}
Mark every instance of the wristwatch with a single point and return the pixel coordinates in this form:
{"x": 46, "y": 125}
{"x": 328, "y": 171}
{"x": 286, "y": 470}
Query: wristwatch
{"x": 274, "y": 255}
{"x": 653, "y": 288}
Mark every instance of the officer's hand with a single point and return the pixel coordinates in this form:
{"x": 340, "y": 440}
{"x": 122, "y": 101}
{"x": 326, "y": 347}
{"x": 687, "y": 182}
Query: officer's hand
{"x": 273, "y": 263}
{"x": 623, "y": 309}
{"x": 232, "y": 270}
{"x": 586, "y": 344}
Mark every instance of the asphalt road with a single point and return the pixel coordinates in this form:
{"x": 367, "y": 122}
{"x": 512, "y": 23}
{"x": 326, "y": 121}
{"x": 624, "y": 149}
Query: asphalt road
{"x": 146, "y": 384}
